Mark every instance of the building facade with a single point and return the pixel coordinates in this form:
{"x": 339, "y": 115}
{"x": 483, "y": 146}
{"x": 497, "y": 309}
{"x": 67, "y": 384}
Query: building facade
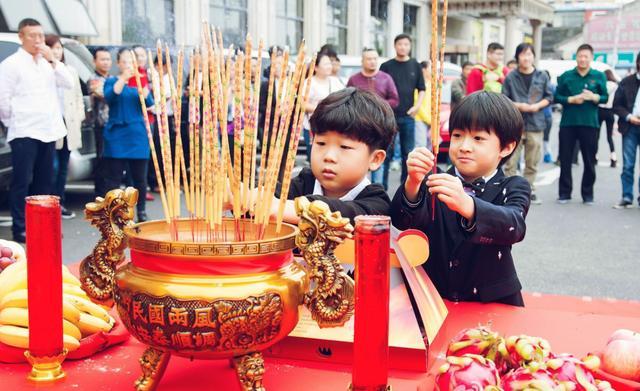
{"x": 350, "y": 25}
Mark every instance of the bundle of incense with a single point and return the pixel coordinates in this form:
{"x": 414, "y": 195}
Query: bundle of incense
{"x": 254, "y": 117}
{"x": 163, "y": 126}
{"x": 248, "y": 130}
{"x": 265, "y": 137}
{"x": 238, "y": 99}
{"x": 443, "y": 32}
{"x": 192, "y": 114}
{"x": 154, "y": 157}
{"x": 164, "y": 149}
{"x": 295, "y": 138}
{"x": 283, "y": 131}
{"x": 264, "y": 203}
{"x": 176, "y": 101}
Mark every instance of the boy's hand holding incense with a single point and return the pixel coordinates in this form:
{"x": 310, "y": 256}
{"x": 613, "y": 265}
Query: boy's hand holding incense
{"x": 448, "y": 189}
{"x": 419, "y": 163}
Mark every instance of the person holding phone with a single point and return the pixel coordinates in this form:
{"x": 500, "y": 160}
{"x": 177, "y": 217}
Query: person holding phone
{"x": 126, "y": 145}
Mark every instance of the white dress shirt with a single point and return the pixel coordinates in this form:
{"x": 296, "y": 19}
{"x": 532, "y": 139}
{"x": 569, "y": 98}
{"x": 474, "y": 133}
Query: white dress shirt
{"x": 351, "y": 194}
{"x": 29, "y": 104}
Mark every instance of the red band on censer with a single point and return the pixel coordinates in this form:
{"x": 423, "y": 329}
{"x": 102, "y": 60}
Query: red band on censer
{"x": 175, "y": 264}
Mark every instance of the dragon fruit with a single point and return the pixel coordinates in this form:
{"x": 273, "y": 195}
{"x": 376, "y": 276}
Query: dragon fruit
{"x": 530, "y": 379}
{"x": 568, "y": 370}
{"x": 470, "y": 372}
{"x": 481, "y": 341}
{"x": 522, "y": 350}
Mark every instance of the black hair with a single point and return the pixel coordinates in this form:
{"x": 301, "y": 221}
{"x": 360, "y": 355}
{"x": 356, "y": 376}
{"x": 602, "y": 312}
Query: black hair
{"x": 50, "y": 40}
{"x": 277, "y": 49}
{"x": 425, "y": 64}
{"x": 512, "y": 61}
{"x": 329, "y": 50}
{"x": 369, "y": 49}
{"x": 100, "y": 49}
{"x": 401, "y": 36}
{"x": 493, "y": 46}
{"x": 27, "y": 22}
{"x": 523, "y": 48}
{"x": 356, "y": 114}
{"x": 122, "y": 50}
{"x": 489, "y": 111}
{"x": 638, "y": 62}
{"x": 467, "y": 64}
{"x": 585, "y": 46}
{"x": 320, "y": 55}
{"x": 610, "y": 76}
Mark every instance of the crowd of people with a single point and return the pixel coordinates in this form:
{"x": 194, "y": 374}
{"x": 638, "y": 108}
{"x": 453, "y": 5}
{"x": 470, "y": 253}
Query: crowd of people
{"x": 41, "y": 104}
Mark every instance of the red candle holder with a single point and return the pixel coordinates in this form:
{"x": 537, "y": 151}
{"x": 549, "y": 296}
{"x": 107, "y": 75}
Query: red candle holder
{"x": 371, "y": 323}
{"x": 44, "y": 284}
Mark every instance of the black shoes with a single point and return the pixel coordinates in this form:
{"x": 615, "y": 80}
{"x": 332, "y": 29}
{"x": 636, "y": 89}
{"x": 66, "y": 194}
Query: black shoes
{"x": 20, "y": 238}
{"x": 66, "y": 213}
{"x": 142, "y": 216}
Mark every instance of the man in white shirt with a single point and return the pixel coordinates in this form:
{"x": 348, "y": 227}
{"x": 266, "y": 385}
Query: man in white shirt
{"x": 29, "y": 108}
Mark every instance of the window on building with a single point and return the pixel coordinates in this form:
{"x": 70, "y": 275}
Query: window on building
{"x": 231, "y": 17}
{"x": 337, "y": 26}
{"x": 146, "y": 21}
{"x": 289, "y": 14}
{"x": 71, "y": 17}
{"x": 379, "y": 25}
{"x": 14, "y": 11}
{"x": 410, "y": 21}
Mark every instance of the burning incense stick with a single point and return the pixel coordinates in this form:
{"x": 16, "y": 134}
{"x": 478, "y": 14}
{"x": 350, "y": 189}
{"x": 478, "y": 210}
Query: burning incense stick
{"x": 293, "y": 147}
{"x": 154, "y": 157}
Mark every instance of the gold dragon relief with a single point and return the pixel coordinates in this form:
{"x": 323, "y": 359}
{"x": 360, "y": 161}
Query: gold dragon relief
{"x": 219, "y": 325}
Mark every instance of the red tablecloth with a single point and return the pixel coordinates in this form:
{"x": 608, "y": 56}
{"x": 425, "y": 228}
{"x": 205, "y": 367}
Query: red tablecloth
{"x": 576, "y": 325}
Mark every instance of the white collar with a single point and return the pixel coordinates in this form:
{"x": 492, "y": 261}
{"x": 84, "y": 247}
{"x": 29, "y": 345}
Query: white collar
{"x": 350, "y": 196}
{"x": 485, "y": 178}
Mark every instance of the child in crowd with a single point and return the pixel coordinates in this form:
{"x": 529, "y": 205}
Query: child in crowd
{"x": 351, "y": 131}
{"x": 479, "y": 212}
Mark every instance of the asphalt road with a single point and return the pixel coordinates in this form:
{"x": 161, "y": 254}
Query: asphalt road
{"x": 569, "y": 249}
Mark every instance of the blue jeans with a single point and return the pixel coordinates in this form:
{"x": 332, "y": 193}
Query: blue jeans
{"x": 630, "y": 143}
{"x": 406, "y": 132}
{"x": 60, "y": 169}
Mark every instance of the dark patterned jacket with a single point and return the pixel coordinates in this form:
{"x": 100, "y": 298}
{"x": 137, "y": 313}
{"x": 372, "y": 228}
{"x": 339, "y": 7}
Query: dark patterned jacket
{"x": 475, "y": 263}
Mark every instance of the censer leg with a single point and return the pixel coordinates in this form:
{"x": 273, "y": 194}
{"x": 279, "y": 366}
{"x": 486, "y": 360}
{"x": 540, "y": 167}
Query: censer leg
{"x": 153, "y": 363}
{"x": 250, "y": 369}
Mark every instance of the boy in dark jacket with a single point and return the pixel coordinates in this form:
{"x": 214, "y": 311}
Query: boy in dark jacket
{"x": 479, "y": 212}
{"x": 352, "y": 129}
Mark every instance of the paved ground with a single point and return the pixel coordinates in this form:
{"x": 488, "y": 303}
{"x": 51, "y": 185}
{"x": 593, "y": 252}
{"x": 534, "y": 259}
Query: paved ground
{"x": 569, "y": 249}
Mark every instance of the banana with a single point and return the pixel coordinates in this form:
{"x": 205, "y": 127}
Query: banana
{"x": 13, "y": 277}
{"x": 89, "y": 307}
{"x": 89, "y": 324}
{"x": 19, "y": 337}
{"x": 74, "y": 290}
{"x": 19, "y": 299}
{"x": 69, "y": 278}
{"x": 20, "y": 317}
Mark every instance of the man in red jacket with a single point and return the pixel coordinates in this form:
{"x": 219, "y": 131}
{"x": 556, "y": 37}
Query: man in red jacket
{"x": 489, "y": 77}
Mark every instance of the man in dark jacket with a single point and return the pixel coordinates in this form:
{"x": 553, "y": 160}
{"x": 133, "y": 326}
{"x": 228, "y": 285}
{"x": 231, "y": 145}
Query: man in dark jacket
{"x": 626, "y": 104}
{"x": 529, "y": 90}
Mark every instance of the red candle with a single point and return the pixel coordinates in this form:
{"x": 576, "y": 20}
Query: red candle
{"x": 371, "y": 338}
{"x": 44, "y": 275}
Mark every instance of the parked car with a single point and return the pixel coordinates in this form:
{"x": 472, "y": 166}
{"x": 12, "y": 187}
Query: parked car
{"x": 80, "y": 161}
{"x": 558, "y": 67}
